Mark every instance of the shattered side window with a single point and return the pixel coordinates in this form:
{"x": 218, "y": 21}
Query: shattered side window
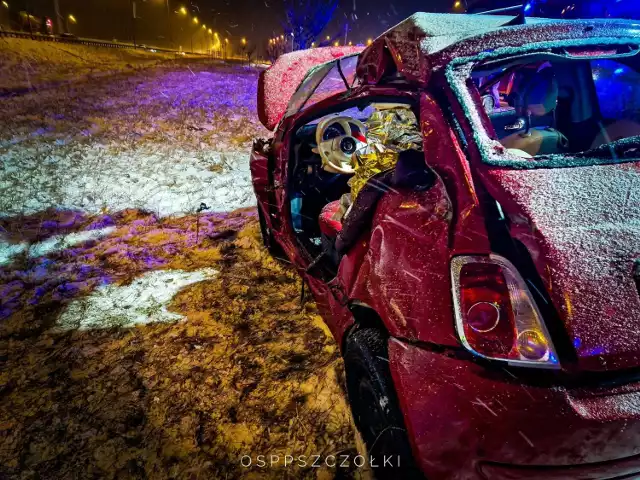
{"x": 552, "y": 111}
{"x": 322, "y": 82}
{"x": 306, "y": 88}
{"x": 331, "y": 84}
{"x": 348, "y": 66}
{"x": 334, "y": 82}
{"x": 616, "y": 87}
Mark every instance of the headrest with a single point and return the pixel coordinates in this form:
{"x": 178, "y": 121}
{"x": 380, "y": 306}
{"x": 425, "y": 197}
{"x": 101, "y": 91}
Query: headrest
{"x": 412, "y": 171}
{"x": 540, "y": 94}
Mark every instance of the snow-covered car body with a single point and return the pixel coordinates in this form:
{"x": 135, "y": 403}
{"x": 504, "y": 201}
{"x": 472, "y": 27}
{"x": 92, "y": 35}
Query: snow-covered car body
{"x": 561, "y": 227}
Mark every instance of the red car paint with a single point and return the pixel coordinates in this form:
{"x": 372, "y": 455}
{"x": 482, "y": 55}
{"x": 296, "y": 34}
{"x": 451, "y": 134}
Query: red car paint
{"x": 468, "y": 419}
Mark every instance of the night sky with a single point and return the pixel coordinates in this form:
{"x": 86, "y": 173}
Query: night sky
{"x": 257, "y": 20}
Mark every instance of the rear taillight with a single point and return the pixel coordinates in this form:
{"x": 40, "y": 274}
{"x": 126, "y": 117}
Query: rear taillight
{"x": 496, "y": 316}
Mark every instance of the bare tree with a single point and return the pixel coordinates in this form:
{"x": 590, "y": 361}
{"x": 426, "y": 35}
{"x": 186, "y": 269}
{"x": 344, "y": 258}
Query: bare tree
{"x": 306, "y": 19}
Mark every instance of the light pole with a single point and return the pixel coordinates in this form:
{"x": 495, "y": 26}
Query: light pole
{"x": 56, "y": 9}
{"x": 292, "y": 37}
{"x": 133, "y": 22}
{"x": 181, "y": 11}
{"x": 195, "y": 20}
{"x": 169, "y": 24}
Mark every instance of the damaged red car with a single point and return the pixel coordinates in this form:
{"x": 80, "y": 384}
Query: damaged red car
{"x": 462, "y": 198}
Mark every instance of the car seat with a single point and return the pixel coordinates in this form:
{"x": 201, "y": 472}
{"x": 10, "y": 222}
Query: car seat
{"x": 535, "y": 102}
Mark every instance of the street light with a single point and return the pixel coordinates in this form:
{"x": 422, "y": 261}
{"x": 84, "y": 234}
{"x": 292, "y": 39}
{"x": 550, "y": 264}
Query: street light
{"x": 183, "y": 11}
{"x": 244, "y": 41}
{"x": 70, "y": 19}
{"x": 460, "y": 4}
{"x": 337, "y": 44}
{"x": 369, "y": 42}
{"x": 328, "y": 37}
{"x": 5, "y": 4}
{"x": 195, "y": 20}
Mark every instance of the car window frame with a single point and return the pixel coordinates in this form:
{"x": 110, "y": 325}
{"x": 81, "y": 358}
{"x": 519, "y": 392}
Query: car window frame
{"x": 322, "y": 76}
{"x": 477, "y": 118}
{"x": 334, "y": 104}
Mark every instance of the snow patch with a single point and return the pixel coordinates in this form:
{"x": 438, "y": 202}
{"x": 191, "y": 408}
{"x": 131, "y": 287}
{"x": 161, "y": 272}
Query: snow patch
{"x": 53, "y": 244}
{"x": 95, "y": 178}
{"x": 143, "y": 301}
{"x": 62, "y": 242}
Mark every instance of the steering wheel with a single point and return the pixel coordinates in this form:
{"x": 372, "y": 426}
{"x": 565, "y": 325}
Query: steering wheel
{"x": 337, "y": 153}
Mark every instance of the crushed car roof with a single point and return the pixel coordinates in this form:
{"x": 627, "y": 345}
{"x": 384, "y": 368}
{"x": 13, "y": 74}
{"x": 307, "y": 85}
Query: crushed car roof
{"x": 425, "y": 41}
{"x": 440, "y": 30}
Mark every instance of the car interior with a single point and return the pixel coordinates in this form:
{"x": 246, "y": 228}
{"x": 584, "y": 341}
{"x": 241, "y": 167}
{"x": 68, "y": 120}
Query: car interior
{"x": 544, "y": 105}
{"x": 326, "y": 153}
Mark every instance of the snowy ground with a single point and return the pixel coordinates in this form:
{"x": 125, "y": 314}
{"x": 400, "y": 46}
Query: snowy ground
{"x": 139, "y": 337}
{"x": 163, "y": 141}
{"x": 25, "y": 64}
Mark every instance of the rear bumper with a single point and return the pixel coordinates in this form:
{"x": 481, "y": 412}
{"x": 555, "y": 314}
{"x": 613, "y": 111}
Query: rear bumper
{"x": 626, "y": 468}
{"x": 468, "y": 423}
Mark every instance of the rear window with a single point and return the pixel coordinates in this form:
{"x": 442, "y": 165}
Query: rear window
{"x": 549, "y": 110}
{"x": 617, "y": 90}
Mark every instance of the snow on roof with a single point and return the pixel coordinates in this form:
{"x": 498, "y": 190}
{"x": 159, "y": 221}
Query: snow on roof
{"x": 410, "y": 42}
{"x": 441, "y": 30}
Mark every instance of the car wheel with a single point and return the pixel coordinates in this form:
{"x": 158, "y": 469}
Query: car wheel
{"x": 375, "y": 406}
{"x": 267, "y": 237}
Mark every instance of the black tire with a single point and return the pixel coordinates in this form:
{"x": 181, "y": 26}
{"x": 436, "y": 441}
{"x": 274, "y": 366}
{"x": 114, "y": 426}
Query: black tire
{"x": 267, "y": 237}
{"x": 374, "y": 405}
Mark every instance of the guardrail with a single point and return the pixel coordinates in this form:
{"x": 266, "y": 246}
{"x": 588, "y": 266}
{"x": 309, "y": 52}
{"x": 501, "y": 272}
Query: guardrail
{"x": 89, "y": 41}
{"x": 106, "y": 44}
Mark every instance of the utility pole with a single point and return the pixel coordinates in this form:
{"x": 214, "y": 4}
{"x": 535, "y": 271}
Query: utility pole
{"x": 169, "y": 22}
{"x": 133, "y": 21}
{"x": 346, "y": 30}
{"x": 28, "y": 9}
{"x": 56, "y": 8}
